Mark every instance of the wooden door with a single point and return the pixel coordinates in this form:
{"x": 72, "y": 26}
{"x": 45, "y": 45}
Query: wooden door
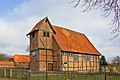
{"x": 50, "y": 67}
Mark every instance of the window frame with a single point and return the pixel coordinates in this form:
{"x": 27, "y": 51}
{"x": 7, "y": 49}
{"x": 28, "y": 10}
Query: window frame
{"x": 86, "y": 57}
{"x": 46, "y": 34}
{"x": 33, "y": 54}
{"x": 76, "y": 57}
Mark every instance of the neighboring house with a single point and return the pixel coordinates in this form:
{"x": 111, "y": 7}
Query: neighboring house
{"x": 56, "y": 48}
{"x": 20, "y": 61}
{"x": 6, "y": 64}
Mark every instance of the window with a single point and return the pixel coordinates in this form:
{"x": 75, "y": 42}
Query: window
{"x": 75, "y": 57}
{"x": 46, "y": 34}
{"x": 64, "y": 53}
{"x": 33, "y": 53}
{"x": 65, "y": 62}
{"x": 67, "y": 53}
{"x": 71, "y": 54}
{"x": 95, "y": 58}
{"x": 86, "y": 57}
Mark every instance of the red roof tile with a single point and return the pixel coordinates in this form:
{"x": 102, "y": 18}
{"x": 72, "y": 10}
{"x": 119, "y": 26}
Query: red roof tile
{"x": 6, "y": 64}
{"x": 21, "y": 58}
{"x": 72, "y": 41}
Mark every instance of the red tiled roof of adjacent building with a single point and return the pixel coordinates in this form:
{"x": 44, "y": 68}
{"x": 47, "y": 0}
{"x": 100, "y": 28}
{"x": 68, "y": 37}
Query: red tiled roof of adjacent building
{"x": 21, "y": 58}
{"x": 6, "y": 64}
{"x": 72, "y": 41}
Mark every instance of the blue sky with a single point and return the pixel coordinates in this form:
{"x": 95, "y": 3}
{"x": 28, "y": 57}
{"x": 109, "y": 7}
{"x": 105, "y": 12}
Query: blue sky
{"x": 18, "y": 17}
{"x": 7, "y": 6}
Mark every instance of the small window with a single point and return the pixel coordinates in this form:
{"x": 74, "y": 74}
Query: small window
{"x": 46, "y": 34}
{"x": 65, "y": 62}
{"x": 33, "y": 53}
{"x": 75, "y": 57}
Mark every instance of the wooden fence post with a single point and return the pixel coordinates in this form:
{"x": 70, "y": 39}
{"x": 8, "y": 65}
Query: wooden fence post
{"x": 10, "y": 73}
{"x": 105, "y": 76}
{"x": 4, "y": 72}
{"x": 71, "y": 75}
{"x": 29, "y": 74}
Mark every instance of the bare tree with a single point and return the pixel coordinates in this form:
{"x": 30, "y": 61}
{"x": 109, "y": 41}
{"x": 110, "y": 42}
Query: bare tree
{"x": 109, "y": 8}
{"x": 116, "y": 60}
{"x": 4, "y": 57}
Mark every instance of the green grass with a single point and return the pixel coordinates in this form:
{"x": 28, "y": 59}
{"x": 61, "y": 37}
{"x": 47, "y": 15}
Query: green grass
{"x": 67, "y": 77}
{"x": 76, "y": 77}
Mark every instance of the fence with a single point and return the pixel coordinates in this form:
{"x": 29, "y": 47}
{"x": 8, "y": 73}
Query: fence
{"x": 55, "y": 75}
{"x": 14, "y": 73}
{"x": 22, "y": 74}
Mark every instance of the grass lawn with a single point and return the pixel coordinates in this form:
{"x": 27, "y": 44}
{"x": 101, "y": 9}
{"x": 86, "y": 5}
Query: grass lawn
{"x": 76, "y": 77}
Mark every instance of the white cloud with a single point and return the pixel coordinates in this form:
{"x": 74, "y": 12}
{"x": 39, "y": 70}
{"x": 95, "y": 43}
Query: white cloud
{"x": 13, "y": 34}
{"x": 110, "y": 51}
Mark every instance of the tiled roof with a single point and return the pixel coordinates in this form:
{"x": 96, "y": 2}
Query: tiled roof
{"x": 21, "y": 58}
{"x": 72, "y": 41}
{"x": 6, "y": 64}
{"x": 39, "y": 23}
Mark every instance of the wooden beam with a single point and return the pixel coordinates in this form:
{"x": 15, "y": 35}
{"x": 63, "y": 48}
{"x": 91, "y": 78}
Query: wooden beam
{"x": 60, "y": 60}
{"x": 82, "y": 61}
{"x": 67, "y": 63}
{"x": 78, "y": 63}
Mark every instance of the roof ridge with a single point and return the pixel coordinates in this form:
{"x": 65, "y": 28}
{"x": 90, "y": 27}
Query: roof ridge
{"x": 21, "y": 54}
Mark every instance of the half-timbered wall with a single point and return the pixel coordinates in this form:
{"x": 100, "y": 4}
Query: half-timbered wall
{"x": 56, "y": 56}
{"x": 77, "y": 62}
{"x": 41, "y": 48}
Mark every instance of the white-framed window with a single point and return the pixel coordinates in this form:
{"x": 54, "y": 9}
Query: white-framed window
{"x": 86, "y": 57}
{"x": 67, "y": 53}
{"x": 76, "y": 58}
{"x": 71, "y": 54}
{"x": 33, "y": 54}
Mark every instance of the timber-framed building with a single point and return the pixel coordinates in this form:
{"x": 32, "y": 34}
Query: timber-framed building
{"x": 53, "y": 48}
